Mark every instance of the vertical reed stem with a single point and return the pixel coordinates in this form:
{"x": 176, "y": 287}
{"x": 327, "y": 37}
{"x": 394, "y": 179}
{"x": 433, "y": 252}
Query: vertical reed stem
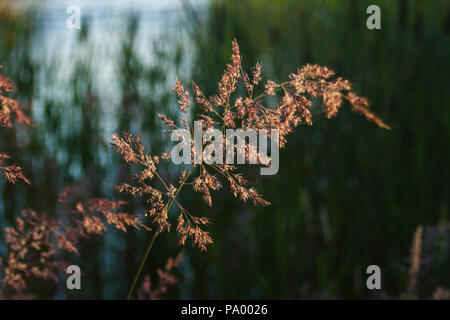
{"x": 138, "y": 273}
{"x": 136, "y": 277}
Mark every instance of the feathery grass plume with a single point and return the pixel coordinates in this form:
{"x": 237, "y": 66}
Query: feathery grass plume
{"x": 425, "y": 252}
{"x": 32, "y": 253}
{"x": 415, "y": 259}
{"x": 93, "y": 215}
{"x": 10, "y": 108}
{"x": 441, "y": 293}
{"x": 36, "y": 243}
{"x": 12, "y": 173}
{"x": 166, "y": 279}
{"x": 225, "y": 110}
{"x": 222, "y": 111}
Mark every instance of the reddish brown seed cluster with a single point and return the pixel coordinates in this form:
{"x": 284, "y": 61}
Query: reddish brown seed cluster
{"x": 12, "y": 173}
{"x": 224, "y": 110}
{"x": 10, "y": 108}
{"x": 441, "y": 293}
{"x": 166, "y": 279}
{"x": 160, "y": 201}
{"x": 31, "y": 252}
{"x": 36, "y": 243}
{"x": 93, "y": 215}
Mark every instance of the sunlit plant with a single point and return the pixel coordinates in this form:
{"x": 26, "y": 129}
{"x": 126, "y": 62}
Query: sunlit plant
{"x": 293, "y": 106}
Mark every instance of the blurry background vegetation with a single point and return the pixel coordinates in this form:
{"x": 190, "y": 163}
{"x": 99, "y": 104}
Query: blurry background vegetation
{"x": 347, "y": 194}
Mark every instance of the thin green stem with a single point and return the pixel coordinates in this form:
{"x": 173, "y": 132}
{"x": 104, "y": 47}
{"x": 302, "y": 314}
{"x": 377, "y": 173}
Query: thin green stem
{"x": 136, "y": 277}
{"x": 138, "y": 273}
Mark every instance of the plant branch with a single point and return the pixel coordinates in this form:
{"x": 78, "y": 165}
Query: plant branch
{"x": 141, "y": 266}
